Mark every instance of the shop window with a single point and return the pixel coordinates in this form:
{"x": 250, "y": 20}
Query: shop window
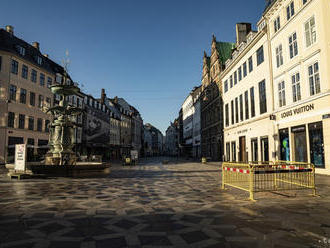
{"x": 314, "y": 79}
{"x": 299, "y": 144}
{"x": 284, "y": 144}
{"x": 316, "y": 144}
{"x": 254, "y": 149}
{"x": 296, "y": 87}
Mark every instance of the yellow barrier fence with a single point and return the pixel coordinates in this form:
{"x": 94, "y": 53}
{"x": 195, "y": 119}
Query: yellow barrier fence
{"x": 268, "y": 176}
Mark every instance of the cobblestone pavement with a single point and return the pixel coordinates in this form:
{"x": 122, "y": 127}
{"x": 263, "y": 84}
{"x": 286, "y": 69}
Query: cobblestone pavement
{"x": 155, "y": 205}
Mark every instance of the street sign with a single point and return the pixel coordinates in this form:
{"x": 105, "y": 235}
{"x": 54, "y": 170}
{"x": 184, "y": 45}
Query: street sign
{"x": 20, "y": 157}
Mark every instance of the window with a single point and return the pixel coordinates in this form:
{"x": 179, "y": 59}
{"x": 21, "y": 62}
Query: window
{"x": 236, "y": 109}
{"x": 39, "y": 60}
{"x": 227, "y": 115}
{"x": 244, "y": 69}
{"x": 24, "y": 71}
{"x": 12, "y": 92}
{"x": 47, "y": 126}
{"x": 14, "y": 66}
{"x": 260, "y": 55}
{"x": 235, "y": 77}
{"x": 231, "y": 81}
{"x": 239, "y": 74}
{"x": 250, "y": 64}
{"x": 246, "y": 98}
{"x": 33, "y": 76}
{"x": 296, "y": 87}
{"x": 262, "y": 97}
{"x": 32, "y": 98}
{"x": 21, "y": 121}
{"x": 281, "y": 93}
{"x": 279, "y": 56}
{"x": 48, "y": 101}
{"x": 293, "y": 46}
{"x": 290, "y": 10}
{"x": 241, "y": 107}
{"x": 22, "y": 96}
{"x": 277, "y": 24}
{"x": 226, "y": 85}
{"x": 42, "y": 79}
{"x": 49, "y": 82}
{"x": 31, "y": 123}
{"x": 41, "y": 101}
{"x": 232, "y": 112}
{"x": 11, "y": 119}
{"x": 20, "y": 50}
{"x": 314, "y": 79}
{"x": 310, "y": 32}
{"x": 39, "y": 125}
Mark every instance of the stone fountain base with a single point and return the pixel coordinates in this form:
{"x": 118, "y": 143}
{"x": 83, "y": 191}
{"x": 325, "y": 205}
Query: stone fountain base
{"x": 81, "y": 169}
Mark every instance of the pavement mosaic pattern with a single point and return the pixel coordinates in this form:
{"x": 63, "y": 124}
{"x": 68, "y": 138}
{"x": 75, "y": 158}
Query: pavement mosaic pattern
{"x": 156, "y": 205}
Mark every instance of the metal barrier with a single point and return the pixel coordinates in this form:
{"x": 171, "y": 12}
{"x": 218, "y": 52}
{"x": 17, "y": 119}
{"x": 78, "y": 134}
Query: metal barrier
{"x": 256, "y": 177}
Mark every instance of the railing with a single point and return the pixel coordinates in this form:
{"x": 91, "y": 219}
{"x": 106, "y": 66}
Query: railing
{"x": 256, "y": 177}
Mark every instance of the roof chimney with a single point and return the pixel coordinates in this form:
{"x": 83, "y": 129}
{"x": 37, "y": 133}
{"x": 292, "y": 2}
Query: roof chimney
{"x": 242, "y": 30}
{"x": 10, "y": 29}
{"x": 103, "y": 96}
{"x": 35, "y": 45}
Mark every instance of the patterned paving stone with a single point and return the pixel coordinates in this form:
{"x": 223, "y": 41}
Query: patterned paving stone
{"x": 155, "y": 205}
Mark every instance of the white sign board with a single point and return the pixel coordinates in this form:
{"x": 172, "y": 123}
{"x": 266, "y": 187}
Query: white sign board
{"x": 134, "y": 154}
{"x": 20, "y": 155}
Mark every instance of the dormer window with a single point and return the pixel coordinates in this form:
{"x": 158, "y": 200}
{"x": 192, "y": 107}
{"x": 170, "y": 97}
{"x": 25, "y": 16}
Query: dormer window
{"x": 39, "y": 60}
{"x": 20, "y": 50}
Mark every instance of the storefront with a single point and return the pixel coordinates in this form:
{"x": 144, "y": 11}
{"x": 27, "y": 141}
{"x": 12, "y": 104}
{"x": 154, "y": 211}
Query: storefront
{"x": 304, "y": 133}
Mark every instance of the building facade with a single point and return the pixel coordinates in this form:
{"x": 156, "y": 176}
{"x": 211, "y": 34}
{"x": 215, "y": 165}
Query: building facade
{"x": 211, "y": 100}
{"x": 196, "y": 136}
{"x": 171, "y": 139}
{"x": 299, "y": 42}
{"x": 248, "y": 129}
{"x": 25, "y": 77}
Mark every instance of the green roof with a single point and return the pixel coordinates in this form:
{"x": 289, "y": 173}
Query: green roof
{"x": 224, "y": 49}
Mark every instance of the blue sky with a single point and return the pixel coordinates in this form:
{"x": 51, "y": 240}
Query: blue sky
{"x": 146, "y": 51}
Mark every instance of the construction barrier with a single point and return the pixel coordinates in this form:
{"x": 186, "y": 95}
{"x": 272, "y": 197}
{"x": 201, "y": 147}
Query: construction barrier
{"x": 256, "y": 177}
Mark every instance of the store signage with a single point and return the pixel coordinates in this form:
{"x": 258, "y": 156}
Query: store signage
{"x": 297, "y": 111}
{"x": 242, "y": 131}
{"x": 20, "y": 155}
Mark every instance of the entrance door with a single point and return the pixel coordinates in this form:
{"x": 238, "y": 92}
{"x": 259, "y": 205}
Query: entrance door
{"x": 264, "y": 149}
{"x": 233, "y": 151}
{"x": 242, "y": 149}
{"x": 300, "y": 144}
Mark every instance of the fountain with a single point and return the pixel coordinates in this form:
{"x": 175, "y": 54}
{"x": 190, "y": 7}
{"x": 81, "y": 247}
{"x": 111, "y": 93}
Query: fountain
{"x": 60, "y": 160}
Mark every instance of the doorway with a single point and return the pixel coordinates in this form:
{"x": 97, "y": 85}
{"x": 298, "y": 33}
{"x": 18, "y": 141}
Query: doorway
{"x": 254, "y": 149}
{"x": 242, "y": 149}
{"x": 264, "y": 149}
{"x": 300, "y": 144}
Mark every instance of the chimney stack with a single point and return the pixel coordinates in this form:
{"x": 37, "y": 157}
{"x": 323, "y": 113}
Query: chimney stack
{"x": 103, "y": 96}
{"x": 10, "y": 29}
{"x": 35, "y": 45}
{"x": 242, "y": 30}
